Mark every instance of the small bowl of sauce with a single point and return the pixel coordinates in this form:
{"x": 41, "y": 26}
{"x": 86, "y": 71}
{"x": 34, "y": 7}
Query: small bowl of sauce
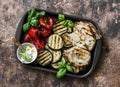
{"x": 28, "y": 55}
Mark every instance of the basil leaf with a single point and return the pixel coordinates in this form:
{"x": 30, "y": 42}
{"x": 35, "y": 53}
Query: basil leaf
{"x": 62, "y": 64}
{"x": 34, "y": 22}
{"x": 61, "y": 73}
{"x": 61, "y": 17}
{"x": 40, "y": 14}
{"x": 31, "y": 13}
{"x": 69, "y": 68}
{"x": 26, "y": 27}
{"x": 65, "y": 22}
{"x": 70, "y": 24}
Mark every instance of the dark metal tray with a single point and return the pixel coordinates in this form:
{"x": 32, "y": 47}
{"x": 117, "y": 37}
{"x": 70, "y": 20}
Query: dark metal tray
{"x": 95, "y": 53}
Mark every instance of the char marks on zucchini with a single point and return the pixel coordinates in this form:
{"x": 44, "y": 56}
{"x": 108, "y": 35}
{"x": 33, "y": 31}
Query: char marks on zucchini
{"x": 58, "y": 28}
{"x": 55, "y": 42}
{"x": 44, "y": 57}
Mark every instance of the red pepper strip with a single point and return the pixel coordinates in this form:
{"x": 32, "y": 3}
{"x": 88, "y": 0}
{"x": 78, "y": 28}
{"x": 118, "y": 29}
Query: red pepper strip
{"x": 33, "y": 33}
{"x": 46, "y": 32}
{"x": 33, "y": 37}
{"x": 39, "y": 44}
{"x": 47, "y": 22}
{"x": 27, "y": 38}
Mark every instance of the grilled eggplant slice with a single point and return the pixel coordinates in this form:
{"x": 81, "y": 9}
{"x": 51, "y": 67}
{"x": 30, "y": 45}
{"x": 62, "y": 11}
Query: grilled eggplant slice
{"x": 44, "y": 57}
{"x": 55, "y": 65}
{"x": 55, "y": 42}
{"x": 58, "y": 28}
{"x": 77, "y": 69}
{"x": 77, "y": 56}
{"x": 67, "y": 41}
{"x": 56, "y": 54}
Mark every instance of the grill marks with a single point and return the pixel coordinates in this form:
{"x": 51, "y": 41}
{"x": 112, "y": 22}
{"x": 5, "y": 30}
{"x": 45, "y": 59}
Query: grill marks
{"x": 66, "y": 39}
{"x": 58, "y": 28}
{"x": 55, "y": 42}
{"x": 44, "y": 57}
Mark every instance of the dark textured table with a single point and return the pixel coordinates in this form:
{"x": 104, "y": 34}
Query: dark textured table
{"x": 104, "y": 12}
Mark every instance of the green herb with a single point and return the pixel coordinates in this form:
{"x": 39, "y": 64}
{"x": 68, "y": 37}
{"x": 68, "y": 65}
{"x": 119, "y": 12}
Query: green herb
{"x": 33, "y": 19}
{"x": 65, "y": 22}
{"x": 61, "y": 17}
{"x": 70, "y": 23}
{"x": 64, "y": 67}
{"x": 69, "y": 68}
{"x": 31, "y": 13}
{"x": 25, "y": 57}
{"x": 61, "y": 73}
{"x": 26, "y": 27}
{"x": 40, "y": 14}
{"x": 34, "y": 22}
{"x": 62, "y": 64}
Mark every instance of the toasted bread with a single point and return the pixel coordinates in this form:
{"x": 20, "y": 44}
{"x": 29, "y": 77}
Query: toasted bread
{"x": 77, "y": 56}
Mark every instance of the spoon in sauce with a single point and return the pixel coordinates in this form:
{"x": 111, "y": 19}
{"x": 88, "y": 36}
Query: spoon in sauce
{"x": 18, "y": 43}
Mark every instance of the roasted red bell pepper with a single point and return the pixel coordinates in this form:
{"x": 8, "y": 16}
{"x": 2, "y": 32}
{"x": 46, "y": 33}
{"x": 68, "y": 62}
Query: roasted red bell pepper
{"x": 33, "y": 37}
{"x": 45, "y": 32}
{"x": 47, "y": 22}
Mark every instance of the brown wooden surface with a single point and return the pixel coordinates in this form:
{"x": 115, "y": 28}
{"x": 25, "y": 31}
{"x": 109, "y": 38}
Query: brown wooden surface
{"x": 105, "y": 12}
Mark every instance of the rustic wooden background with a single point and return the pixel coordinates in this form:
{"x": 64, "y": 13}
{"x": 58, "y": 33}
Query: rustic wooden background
{"x": 105, "y": 12}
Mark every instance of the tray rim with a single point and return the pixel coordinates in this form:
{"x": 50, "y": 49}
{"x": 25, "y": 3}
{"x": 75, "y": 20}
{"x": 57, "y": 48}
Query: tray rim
{"x": 96, "y": 52}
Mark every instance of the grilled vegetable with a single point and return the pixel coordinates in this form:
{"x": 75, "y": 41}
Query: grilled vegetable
{"x": 34, "y": 36}
{"x": 47, "y": 22}
{"x": 67, "y": 41}
{"x": 56, "y": 54}
{"x": 77, "y": 56}
{"x": 55, "y": 42}
{"x": 58, "y": 28}
{"x": 77, "y": 69}
{"x": 44, "y": 57}
{"x": 55, "y": 65}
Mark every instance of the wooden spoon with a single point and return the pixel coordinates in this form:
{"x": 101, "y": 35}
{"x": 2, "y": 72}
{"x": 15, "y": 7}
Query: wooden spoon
{"x": 18, "y": 43}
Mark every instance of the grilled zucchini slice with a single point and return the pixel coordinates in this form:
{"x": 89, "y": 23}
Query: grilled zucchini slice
{"x": 56, "y": 54}
{"x": 55, "y": 65}
{"x": 67, "y": 41}
{"x": 55, "y": 42}
{"x": 44, "y": 57}
{"x": 58, "y": 28}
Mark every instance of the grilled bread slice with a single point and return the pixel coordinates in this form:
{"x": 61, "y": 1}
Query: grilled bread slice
{"x": 95, "y": 31}
{"x": 83, "y": 34}
{"x": 88, "y": 39}
{"x": 55, "y": 42}
{"x": 88, "y": 26}
{"x": 66, "y": 39}
{"x": 77, "y": 56}
{"x": 58, "y": 28}
{"x": 44, "y": 57}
